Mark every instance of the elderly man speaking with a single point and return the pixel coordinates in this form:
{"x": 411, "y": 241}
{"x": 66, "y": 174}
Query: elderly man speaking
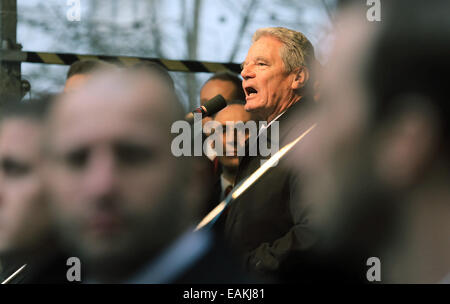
{"x": 267, "y": 223}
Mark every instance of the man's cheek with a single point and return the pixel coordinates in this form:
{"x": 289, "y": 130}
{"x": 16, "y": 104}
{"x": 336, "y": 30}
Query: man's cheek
{"x": 147, "y": 187}
{"x": 61, "y": 182}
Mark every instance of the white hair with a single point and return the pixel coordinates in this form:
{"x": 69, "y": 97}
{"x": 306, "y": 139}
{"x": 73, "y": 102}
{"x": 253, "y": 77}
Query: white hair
{"x": 297, "y": 50}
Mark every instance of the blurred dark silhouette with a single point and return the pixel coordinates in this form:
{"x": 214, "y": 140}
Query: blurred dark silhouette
{"x": 377, "y": 169}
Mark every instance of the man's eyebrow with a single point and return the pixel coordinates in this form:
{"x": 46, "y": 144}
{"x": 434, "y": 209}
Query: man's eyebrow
{"x": 260, "y": 58}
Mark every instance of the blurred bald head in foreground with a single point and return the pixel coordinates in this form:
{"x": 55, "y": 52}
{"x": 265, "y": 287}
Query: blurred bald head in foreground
{"x": 378, "y": 167}
{"x": 118, "y": 193}
{"x": 80, "y": 72}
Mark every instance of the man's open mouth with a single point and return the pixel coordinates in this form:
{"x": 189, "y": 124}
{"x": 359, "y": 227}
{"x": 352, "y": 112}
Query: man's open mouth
{"x": 250, "y": 91}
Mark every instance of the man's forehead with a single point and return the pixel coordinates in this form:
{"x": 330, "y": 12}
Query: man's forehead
{"x": 106, "y": 97}
{"x": 267, "y": 40}
{"x": 265, "y": 48}
{"x": 20, "y": 125}
{"x": 106, "y": 120}
{"x": 17, "y": 133}
{"x": 106, "y": 130}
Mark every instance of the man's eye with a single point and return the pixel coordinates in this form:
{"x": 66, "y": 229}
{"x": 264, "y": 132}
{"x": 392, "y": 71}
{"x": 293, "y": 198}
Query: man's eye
{"x": 77, "y": 159}
{"x": 14, "y": 169}
{"x": 261, "y": 63}
{"x": 130, "y": 154}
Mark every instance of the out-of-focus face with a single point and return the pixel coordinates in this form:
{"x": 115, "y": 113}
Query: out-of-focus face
{"x": 335, "y": 161}
{"x": 232, "y": 114}
{"x": 214, "y": 87}
{"x": 111, "y": 171}
{"x": 76, "y": 81}
{"x": 24, "y": 218}
{"x": 266, "y": 84}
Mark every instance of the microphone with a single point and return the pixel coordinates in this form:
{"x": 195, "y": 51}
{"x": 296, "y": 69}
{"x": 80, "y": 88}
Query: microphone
{"x": 210, "y": 107}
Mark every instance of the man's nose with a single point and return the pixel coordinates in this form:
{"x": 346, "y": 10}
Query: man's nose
{"x": 101, "y": 175}
{"x": 247, "y": 72}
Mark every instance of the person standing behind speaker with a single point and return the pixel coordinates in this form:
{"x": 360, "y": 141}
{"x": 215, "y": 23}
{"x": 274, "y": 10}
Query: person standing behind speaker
{"x": 227, "y": 84}
{"x": 233, "y": 114}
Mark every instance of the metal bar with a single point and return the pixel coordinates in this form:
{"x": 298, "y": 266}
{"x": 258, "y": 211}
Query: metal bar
{"x": 69, "y": 58}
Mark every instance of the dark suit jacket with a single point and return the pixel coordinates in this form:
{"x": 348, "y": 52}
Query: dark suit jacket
{"x": 217, "y": 266}
{"x": 194, "y": 258}
{"x": 268, "y": 222}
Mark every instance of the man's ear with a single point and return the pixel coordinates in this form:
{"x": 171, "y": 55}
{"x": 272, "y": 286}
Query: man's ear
{"x": 406, "y": 146}
{"x": 301, "y": 77}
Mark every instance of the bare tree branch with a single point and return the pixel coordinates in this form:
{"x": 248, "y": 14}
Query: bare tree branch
{"x": 192, "y": 45}
{"x": 244, "y": 22}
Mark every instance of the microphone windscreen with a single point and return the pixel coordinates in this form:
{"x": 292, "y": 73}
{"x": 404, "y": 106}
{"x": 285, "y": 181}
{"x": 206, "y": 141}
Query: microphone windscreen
{"x": 214, "y": 105}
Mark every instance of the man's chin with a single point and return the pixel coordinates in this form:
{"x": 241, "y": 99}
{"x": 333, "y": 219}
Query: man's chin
{"x": 113, "y": 262}
{"x": 254, "y": 107}
{"x": 251, "y": 105}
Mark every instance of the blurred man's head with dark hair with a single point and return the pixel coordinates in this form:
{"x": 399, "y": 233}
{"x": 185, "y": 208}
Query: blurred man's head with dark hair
{"x": 228, "y": 84}
{"x": 225, "y": 83}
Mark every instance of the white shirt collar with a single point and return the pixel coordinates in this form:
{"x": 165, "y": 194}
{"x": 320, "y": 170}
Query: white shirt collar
{"x": 210, "y": 152}
{"x": 224, "y": 183}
